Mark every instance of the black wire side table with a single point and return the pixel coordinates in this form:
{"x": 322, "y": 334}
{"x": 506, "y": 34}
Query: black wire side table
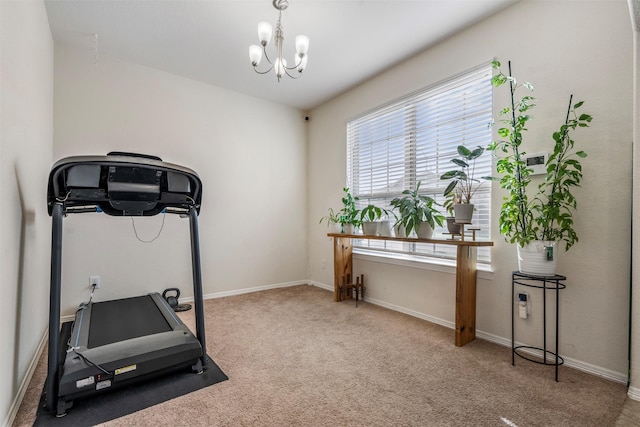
{"x": 546, "y": 283}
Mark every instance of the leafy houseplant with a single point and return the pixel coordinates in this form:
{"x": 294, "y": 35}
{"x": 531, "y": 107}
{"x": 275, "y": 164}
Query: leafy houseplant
{"x": 415, "y": 209}
{"x": 331, "y": 218}
{"x": 368, "y": 216}
{"x": 547, "y": 216}
{"x": 371, "y": 213}
{"x": 462, "y": 182}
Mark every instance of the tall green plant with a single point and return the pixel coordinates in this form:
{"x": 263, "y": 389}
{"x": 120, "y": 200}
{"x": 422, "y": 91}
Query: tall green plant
{"x": 549, "y": 213}
{"x": 555, "y": 202}
{"x": 515, "y": 216}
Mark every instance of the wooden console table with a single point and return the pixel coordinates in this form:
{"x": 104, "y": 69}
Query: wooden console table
{"x": 466, "y": 272}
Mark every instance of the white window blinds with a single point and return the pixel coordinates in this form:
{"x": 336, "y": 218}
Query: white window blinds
{"x": 414, "y": 139}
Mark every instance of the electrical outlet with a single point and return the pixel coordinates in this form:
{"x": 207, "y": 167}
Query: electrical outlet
{"x": 324, "y": 263}
{"x": 94, "y": 280}
{"x": 523, "y": 304}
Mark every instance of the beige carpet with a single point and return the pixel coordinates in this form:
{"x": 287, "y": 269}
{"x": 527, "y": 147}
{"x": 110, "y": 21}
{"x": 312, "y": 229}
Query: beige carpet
{"x": 296, "y": 358}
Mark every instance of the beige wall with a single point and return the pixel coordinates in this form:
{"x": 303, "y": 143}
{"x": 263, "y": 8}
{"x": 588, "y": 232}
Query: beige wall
{"x": 562, "y": 49}
{"x": 249, "y": 153}
{"x": 26, "y": 141}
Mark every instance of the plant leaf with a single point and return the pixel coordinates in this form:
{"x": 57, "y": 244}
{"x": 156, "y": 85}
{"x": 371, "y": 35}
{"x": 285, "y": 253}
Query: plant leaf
{"x": 460, "y": 163}
{"x": 463, "y": 151}
{"x": 450, "y": 187}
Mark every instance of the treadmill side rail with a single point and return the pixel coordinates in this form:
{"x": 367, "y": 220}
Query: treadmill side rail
{"x": 54, "y": 309}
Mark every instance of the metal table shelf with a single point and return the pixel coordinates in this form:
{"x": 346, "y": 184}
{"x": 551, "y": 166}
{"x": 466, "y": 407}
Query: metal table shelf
{"x": 546, "y": 283}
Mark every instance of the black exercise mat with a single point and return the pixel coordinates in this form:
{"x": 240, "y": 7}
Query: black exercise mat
{"x": 117, "y": 403}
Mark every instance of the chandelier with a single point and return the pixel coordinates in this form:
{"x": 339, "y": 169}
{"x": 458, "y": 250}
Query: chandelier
{"x": 279, "y": 64}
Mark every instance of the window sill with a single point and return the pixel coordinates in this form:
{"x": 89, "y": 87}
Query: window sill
{"x": 434, "y": 264}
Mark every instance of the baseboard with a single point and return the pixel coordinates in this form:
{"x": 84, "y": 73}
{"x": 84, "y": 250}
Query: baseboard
{"x": 432, "y": 319}
{"x": 248, "y": 290}
{"x": 17, "y": 401}
{"x": 634, "y": 393}
{"x": 320, "y": 285}
{"x": 570, "y": 362}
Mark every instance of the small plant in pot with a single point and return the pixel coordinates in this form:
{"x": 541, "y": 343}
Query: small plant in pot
{"x": 537, "y": 223}
{"x": 370, "y": 217}
{"x": 454, "y": 228}
{"x": 333, "y": 221}
{"x": 463, "y": 184}
{"x": 348, "y": 217}
{"x": 349, "y": 214}
{"x": 417, "y": 213}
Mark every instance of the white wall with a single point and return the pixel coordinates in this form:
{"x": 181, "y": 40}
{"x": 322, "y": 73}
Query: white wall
{"x": 249, "y": 153}
{"x": 562, "y": 48}
{"x": 26, "y": 141}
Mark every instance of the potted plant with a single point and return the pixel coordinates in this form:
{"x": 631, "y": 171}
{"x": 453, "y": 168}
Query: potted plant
{"x": 333, "y": 221}
{"x": 370, "y": 216}
{"x": 348, "y": 217}
{"x": 454, "y": 228}
{"x": 462, "y": 184}
{"x": 537, "y": 223}
{"x": 417, "y": 212}
{"x": 349, "y": 214}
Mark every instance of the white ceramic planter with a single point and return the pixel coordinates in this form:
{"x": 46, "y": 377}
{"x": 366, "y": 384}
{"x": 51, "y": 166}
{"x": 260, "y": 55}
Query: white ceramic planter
{"x": 348, "y": 229}
{"x": 335, "y": 227}
{"x": 384, "y": 228}
{"x": 538, "y": 258}
{"x": 424, "y": 231}
{"x": 399, "y": 231}
{"x": 463, "y": 212}
{"x": 370, "y": 228}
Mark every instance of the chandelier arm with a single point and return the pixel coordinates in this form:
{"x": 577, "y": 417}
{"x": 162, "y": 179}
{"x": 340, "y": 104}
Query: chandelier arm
{"x": 286, "y": 70}
{"x": 262, "y": 72}
{"x": 295, "y": 66}
{"x": 264, "y": 51}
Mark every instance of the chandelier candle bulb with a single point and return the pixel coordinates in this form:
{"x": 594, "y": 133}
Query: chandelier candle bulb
{"x": 264, "y": 33}
{"x": 302, "y": 45}
{"x": 280, "y": 66}
{"x": 255, "y": 54}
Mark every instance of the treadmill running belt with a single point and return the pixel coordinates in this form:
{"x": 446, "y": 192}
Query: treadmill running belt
{"x": 123, "y": 319}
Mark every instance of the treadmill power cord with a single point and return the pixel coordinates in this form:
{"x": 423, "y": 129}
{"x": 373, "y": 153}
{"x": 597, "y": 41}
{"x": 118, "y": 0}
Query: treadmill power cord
{"x": 133, "y": 223}
{"x": 86, "y": 359}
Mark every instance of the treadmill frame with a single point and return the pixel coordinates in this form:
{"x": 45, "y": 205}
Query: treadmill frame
{"x": 63, "y": 200}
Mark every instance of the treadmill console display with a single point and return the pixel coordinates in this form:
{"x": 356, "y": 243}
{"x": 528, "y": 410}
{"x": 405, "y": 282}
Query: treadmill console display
{"x": 122, "y": 184}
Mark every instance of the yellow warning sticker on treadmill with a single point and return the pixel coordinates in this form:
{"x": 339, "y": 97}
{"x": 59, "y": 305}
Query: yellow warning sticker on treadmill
{"x": 126, "y": 369}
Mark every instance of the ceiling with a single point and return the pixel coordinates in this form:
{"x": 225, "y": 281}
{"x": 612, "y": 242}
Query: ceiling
{"x": 208, "y": 40}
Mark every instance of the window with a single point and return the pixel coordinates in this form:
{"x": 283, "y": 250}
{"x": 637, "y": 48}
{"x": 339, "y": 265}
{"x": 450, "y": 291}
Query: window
{"x": 414, "y": 139}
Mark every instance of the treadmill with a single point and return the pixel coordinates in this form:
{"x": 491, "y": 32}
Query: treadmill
{"x": 115, "y": 343}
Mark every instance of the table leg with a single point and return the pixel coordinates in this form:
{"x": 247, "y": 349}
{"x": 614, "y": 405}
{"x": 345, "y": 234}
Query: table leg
{"x": 342, "y": 263}
{"x": 466, "y": 272}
